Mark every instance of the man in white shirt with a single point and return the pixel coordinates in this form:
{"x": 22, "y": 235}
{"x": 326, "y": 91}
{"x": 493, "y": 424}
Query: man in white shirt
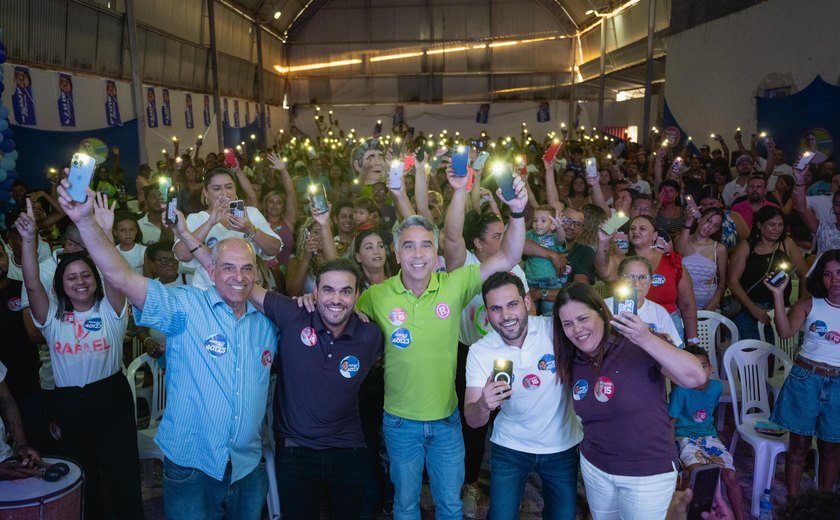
{"x": 738, "y": 186}
{"x": 772, "y": 169}
{"x": 150, "y": 224}
{"x": 536, "y": 428}
{"x": 12, "y": 469}
{"x": 638, "y": 184}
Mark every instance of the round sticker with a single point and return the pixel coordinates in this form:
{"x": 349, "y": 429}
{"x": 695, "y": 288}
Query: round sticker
{"x": 700, "y": 416}
{"x": 580, "y": 389}
{"x": 479, "y": 318}
{"x": 349, "y": 367}
{"x": 401, "y": 338}
{"x": 531, "y": 382}
{"x": 833, "y": 336}
{"x": 657, "y": 280}
{"x": 308, "y": 337}
{"x": 93, "y": 324}
{"x": 397, "y": 316}
{"x": 14, "y": 304}
{"x": 211, "y": 242}
{"x": 819, "y": 327}
{"x": 547, "y": 363}
{"x": 266, "y": 358}
{"x": 442, "y": 310}
{"x": 604, "y": 389}
{"x": 216, "y": 345}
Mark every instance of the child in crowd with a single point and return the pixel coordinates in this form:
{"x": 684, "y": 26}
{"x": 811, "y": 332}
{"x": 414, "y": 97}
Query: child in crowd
{"x": 365, "y": 213}
{"x": 126, "y": 233}
{"x": 691, "y": 412}
{"x": 546, "y": 232}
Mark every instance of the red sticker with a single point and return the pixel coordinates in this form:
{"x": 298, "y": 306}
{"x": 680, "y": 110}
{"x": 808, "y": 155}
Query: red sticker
{"x": 397, "y": 316}
{"x": 14, "y": 304}
{"x": 442, "y": 310}
{"x": 604, "y": 389}
{"x": 700, "y": 416}
{"x": 266, "y": 358}
{"x": 308, "y": 337}
{"x": 531, "y": 382}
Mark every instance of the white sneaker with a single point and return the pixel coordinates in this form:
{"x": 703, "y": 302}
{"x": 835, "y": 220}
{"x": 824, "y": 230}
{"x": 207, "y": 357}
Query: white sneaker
{"x": 470, "y": 495}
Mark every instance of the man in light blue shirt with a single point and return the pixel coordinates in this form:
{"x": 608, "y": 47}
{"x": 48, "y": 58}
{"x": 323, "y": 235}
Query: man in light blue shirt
{"x": 219, "y": 352}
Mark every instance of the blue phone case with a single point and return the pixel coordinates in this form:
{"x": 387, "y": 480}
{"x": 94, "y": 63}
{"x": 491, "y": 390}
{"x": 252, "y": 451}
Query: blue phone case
{"x": 505, "y": 182}
{"x": 459, "y": 163}
{"x": 81, "y": 173}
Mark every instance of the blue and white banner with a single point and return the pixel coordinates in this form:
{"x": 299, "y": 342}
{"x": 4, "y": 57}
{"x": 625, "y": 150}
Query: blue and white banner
{"x": 188, "y": 111}
{"x": 151, "y": 108}
{"x": 166, "y": 109}
{"x": 206, "y": 111}
{"x": 112, "y": 104}
{"x": 236, "y": 113}
{"x": 22, "y": 102}
{"x": 225, "y": 113}
{"x": 247, "y": 113}
{"x": 66, "y": 106}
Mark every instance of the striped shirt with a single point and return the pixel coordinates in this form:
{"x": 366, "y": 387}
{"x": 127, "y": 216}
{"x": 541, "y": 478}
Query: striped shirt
{"x": 216, "y": 378}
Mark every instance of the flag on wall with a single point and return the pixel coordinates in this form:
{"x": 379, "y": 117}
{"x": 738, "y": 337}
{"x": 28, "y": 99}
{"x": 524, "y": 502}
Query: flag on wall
{"x": 247, "y": 113}
{"x": 544, "y": 113}
{"x": 151, "y": 108}
{"x": 236, "y": 113}
{"x": 483, "y": 114}
{"x": 22, "y": 101}
{"x": 66, "y": 108}
{"x": 112, "y": 104}
{"x": 188, "y": 111}
{"x": 166, "y": 109}
{"x": 268, "y": 117}
{"x": 225, "y": 113}
{"x": 206, "y": 111}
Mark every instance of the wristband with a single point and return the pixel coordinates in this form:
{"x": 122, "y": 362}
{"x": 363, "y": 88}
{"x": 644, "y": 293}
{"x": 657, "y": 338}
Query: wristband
{"x": 517, "y": 214}
{"x": 196, "y": 248}
{"x": 253, "y": 235}
{"x": 693, "y": 340}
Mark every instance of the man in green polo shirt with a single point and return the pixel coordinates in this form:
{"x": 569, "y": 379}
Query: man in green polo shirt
{"x": 419, "y": 313}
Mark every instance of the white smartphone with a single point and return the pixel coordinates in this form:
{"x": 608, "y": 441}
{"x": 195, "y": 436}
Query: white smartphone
{"x": 395, "y": 175}
{"x": 591, "y": 168}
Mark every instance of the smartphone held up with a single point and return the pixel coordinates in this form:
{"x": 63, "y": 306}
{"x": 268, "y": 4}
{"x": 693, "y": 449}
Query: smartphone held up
{"x": 81, "y": 173}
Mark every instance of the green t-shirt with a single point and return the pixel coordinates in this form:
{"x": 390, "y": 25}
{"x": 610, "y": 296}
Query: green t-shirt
{"x": 421, "y": 340}
{"x": 537, "y": 268}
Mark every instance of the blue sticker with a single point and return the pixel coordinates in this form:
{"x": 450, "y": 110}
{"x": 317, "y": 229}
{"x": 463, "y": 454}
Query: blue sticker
{"x": 93, "y": 324}
{"x": 401, "y": 338}
{"x": 652, "y": 327}
{"x": 349, "y": 367}
{"x": 657, "y": 280}
{"x": 580, "y": 389}
{"x": 211, "y": 242}
{"x": 819, "y": 327}
{"x": 216, "y": 345}
{"x": 547, "y": 363}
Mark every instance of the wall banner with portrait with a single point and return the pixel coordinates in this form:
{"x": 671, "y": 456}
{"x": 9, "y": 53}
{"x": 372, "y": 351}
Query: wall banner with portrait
{"x": 112, "y": 104}
{"x": 806, "y": 120}
{"x": 188, "y": 111}
{"x": 23, "y": 104}
{"x": 151, "y": 108}
{"x": 66, "y": 105}
{"x": 166, "y": 108}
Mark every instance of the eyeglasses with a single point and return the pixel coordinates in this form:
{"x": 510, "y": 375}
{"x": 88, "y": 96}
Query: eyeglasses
{"x": 166, "y": 260}
{"x": 641, "y": 278}
{"x": 571, "y": 222}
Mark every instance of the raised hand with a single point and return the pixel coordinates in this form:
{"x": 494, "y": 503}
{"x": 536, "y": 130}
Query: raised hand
{"x": 103, "y": 214}
{"x": 457, "y": 183}
{"x": 25, "y": 223}
{"x": 276, "y": 162}
{"x": 632, "y": 327}
{"x": 493, "y": 393}
{"x": 242, "y": 224}
{"x": 76, "y": 211}
{"x": 321, "y": 218}
{"x": 518, "y": 203}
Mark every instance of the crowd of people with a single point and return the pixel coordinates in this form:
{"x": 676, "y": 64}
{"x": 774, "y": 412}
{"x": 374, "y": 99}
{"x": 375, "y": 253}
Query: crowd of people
{"x": 394, "y": 308}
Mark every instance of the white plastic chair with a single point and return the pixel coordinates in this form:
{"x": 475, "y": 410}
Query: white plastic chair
{"x": 145, "y": 437}
{"x": 789, "y": 346}
{"x": 709, "y": 333}
{"x": 751, "y": 357}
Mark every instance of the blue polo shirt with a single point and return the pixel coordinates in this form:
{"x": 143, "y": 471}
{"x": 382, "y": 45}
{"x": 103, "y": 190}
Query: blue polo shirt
{"x": 217, "y": 371}
{"x": 316, "y": 402}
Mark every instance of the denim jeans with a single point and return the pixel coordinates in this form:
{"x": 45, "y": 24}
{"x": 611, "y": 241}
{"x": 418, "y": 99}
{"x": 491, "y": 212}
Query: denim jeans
{"x": 437, "y": 444}
{"x": 189, "y": 493}
{"x": 748, "y": 325}
{"x": 302, "y": 472}
{"x": 510, "y": 468}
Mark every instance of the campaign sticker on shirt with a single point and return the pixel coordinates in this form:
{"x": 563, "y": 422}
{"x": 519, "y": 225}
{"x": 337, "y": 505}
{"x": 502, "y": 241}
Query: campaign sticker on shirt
{"x": 216, "y": 345}
{"x": 531, "y": 382}
{"x": 93, "y": 324}
{"x": 349, "y": 367}
{"x": 604, "y": 389}
{"x": 547, "y": 363}
{"x": 266, "y": 358}
{"x": 580, "y": 389}
{"x": 401, "y": 338}
{"x": 69, "y": 317}
{"x": 442, "y": 310}
{"x": 308, "y": 337}
{"x": 211, "y": 242}
{"x": 14, "y": 304}
{"x": 700, "y": 415}
{"x": 652, "y": 327}
{"x": 657, "y": 280}
{"x": 819, "y": 327}
{"x": 397, "y": 316}
{"x": 833, "y": 336}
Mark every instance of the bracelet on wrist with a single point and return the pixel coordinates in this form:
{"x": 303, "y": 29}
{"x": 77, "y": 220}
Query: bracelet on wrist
{"x": 517, "y": 214}
{"x": 251, "y": 236}
{"x": 196, "y": 248}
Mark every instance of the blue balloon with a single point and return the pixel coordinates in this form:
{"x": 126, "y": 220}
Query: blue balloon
{"x": 6, "y": 133}
{"x": 1, "y": 68}
{"x": 2, "y": 175}
{"x": 7, "y": 184}
{"x": 13, "y": 155}
{"x": 2, "y": 136}
{"x": 7, "y": 164}
{"x": 4, "y": 112}
{"x": 7, "y": 145}
{"x": 2, "y": 86}
{"x": 2, "y": 56}
{"x": 12, "y": 174}
{"x": 4, "y": 124}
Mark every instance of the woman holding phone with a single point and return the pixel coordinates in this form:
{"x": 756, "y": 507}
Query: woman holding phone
{"x": 226, "y": 217}
{"x": 616, "y": 367}
{"x": 84, "y": 324}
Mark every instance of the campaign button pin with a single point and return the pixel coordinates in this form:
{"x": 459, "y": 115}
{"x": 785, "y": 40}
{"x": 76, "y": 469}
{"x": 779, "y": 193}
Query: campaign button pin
{"x": 442, "y": 310}
{"x": 531, "y": 382}
{"x": 604, "y": 389}
{"x": 349, "y": 367}
{"x": 401, "y": 338}
{"x": 580, "y": 389}
{"x": 266, "y": 358}
{"x": 216, "y": 345}
{"x": 93, "y": 324}
{"x": 397, "y": 316}
{"x": 14, "y": 304}
{"x": 700, "y": 415}
{"x": 308, "y": 337}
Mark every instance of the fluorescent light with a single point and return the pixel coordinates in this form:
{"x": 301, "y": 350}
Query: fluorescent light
{"x": 503, "y": 44}
{"x": 314, "y": 66}
{"x": 450, "y": 49}
{"x": 397, "y": 56}
{"x": 277, "y": 15}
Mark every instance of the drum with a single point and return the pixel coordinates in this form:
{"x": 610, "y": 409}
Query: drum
{"x": 33, "y": 498}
